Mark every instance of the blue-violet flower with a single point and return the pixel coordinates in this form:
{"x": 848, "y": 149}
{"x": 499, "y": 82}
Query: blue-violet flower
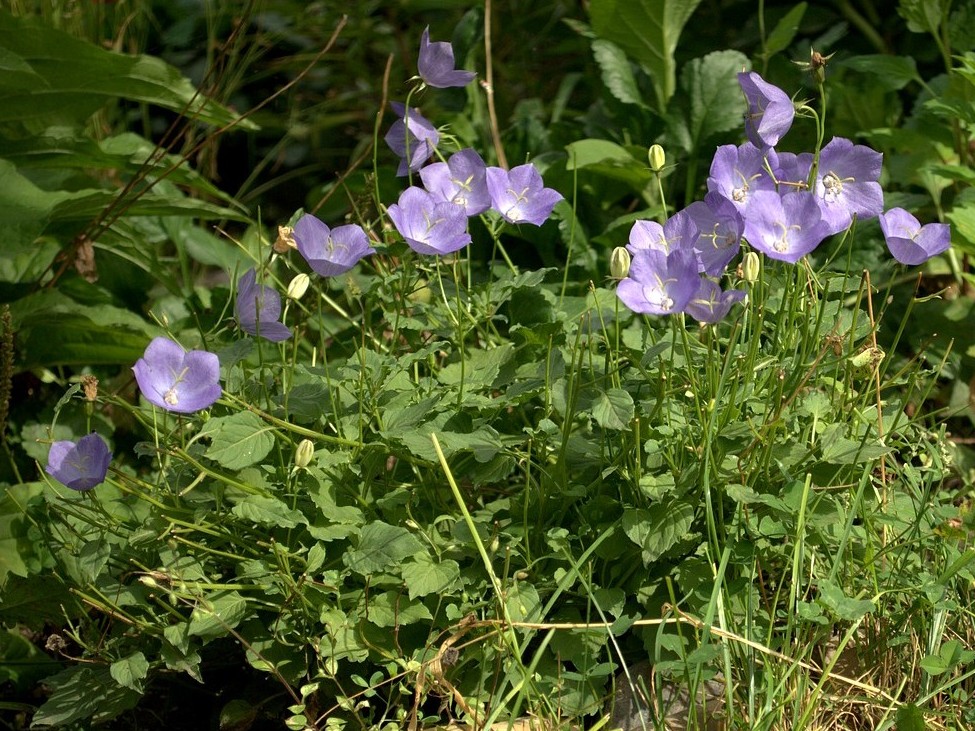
{"x": 79, "y": 465}
{"x": 910, "y": 242}
{"x": 330, "y": 251}
{"x": 461, "y": 180}
{"x": 258, "y": 308}
{"x": 411, "y": 137}
{"x": 770, "y": 110}
{"x": 436, "y": 64}
{"x": 678, "y": 232}
{"x": 659, "y": 283}
{"x": 429, "y": 225}
{"x": 520, "y": 196}
{"x": 784, "y": 227}
{"x": 846, "y": 183}
{"x": 177, "y": 380}
{"x": 710, "y": 304}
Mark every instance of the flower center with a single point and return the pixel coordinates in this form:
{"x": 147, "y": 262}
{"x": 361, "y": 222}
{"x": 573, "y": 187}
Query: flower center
{"x": 833, "y": 186}
{"x": 781, "y": 244}
{"x": 171, "y": 397}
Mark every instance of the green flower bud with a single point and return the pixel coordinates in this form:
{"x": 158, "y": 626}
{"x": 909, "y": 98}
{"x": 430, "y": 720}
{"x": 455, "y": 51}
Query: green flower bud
{"x": 751, "y": 265}
{"x": 298, "y": 286}
{"x": 657, "y": 157}
{"x": 304, "y": 453}
{"x": 619, "y": 263}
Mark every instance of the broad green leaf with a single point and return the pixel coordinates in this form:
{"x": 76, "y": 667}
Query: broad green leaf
{"x": 613, "y": 409}
{"x": 381, "y": 547}
{"x": 81, "y": 692}
{"x": 22, "y": 664}
{"x": 910, "y": 718}
{"x": 238, "y": 441}
{"x": 648, "y": 31}
{"x": 922, "y": 16}
{"x": 129, "y": 672}
{"x": 391, "y": 609}
{"x": 60, "y": 78}
{"x": 268, "y": 511}
{"x": 711, "y": 102}
{"x": 933, "y": 664}
{"x": 617, "y": 73}
{"x": 659, "y": 527}
{"x": 962, "y": 220}
{"x": 423, "y": 575}
{"x": 890, "y": 72}
{"x": 784, "y": 31}
{"x": 217, "y": 614}
{"x": 609, "y": 159}
{"x": 844, "y": 607}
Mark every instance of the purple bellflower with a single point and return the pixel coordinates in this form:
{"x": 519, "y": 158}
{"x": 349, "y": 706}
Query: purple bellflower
{"x": 784, "y": 227}
{"x": 710, "y": 304}
{"x": 738, "y": 172}
{"x": 846, "y": 183}
{"x": 436, "y": 64}
{"x": 461, "y": 180}
{"x": 411, "y": 137}
{"x": 910, "y": 242}
{"x": 258, "y": 308}
{"x": 177, "y": 380}
{"x": 659, "y": 283}
{"x": 429, "y": 225}
{"x": 79, "y": 465}
{"x": 678, "y": 232}
{"x": 330, "y": 251}
{"x": 770, "y": 110}
{"x": 520, "y": 196}
{"x": 721, "y": 226}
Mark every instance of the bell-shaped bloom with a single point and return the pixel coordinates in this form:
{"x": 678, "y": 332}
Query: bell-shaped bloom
{"x": 411, "y": 137}
{"x": 330, "y": 251}
{"x": 847, "y": 183}
{"x": 178, "y": 380}
{"x": 784, "y": 227}
{"x": 659, "y": 283}
{"x": 678, "y": 232}
{"x": 79, "y": 465}
{"x": 461, "y": 180}
{"x": 520, "y": 196}
{"x": 770, "y": 110}
{"x": 710, "y": 304}
{"x": 721, "y": 226}
{"x": 910, "y": 242}
{"x": 258, "y": 308}
{"x": 436, "y": 64}
{"x": 429, "y": 225}
{"x": 737, "y": 172}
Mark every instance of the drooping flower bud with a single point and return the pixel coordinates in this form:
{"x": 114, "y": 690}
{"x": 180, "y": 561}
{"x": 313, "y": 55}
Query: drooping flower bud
{"x": 304, "y": 453}
{"x": 298, "y": 286}
{"x": 657, "y": 157}
{"x": 619, "y": 263}
{"x": 285, "y": 240}
{"x": 750, "y": 267}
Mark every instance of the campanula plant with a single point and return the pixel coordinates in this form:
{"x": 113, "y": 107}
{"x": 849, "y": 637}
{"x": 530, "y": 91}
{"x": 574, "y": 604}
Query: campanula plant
{"x": 80, "y": 465}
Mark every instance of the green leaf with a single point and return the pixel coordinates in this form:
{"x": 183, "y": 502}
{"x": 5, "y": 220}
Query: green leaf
{"x": 833, "y": 598}
{"x": 891, "y": 72}
{"x": 933, "y": 664}
{"x": 239, "y": 440}
{"x": 647, "y": 31}
{"x": 62, "y": 79}
{"x": 608, "y": 159}
{"x": 922, "y": 16}
{"x": 712, "y": 101}
{"x": 381, "y": 547}
{"x": 129, "y": 672}
{"x": 910, "y": 718}
{"x": 784, "y": 31}
{"x": 613, "y": 409}
{"x": 22, "y": 664}
{"x": 658, "y": 528}
{"x": 617, "y": 74}
{"x": 217, "y": 614}
{"x": 268, "y": 511}
{"x": 392, "y": 609}
{"x": 82, "y": 692}
{"x": 424, "y": 576}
